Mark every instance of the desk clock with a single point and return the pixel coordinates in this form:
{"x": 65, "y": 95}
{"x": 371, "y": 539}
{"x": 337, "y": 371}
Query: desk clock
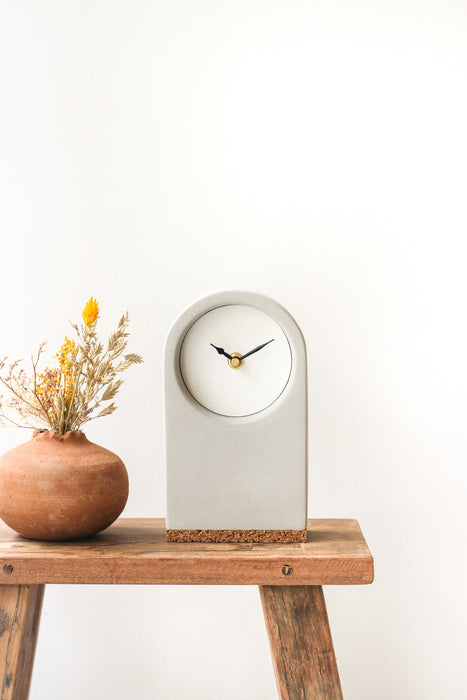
{"x": 236, "y": 422}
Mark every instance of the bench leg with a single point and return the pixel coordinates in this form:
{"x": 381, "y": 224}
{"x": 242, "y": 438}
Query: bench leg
{"x": 20, "y": 610}
{"x": 301, "y": 643}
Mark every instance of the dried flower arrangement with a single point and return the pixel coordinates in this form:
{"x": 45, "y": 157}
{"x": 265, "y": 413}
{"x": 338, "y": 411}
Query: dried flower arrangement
{"x": 65, "y": 397}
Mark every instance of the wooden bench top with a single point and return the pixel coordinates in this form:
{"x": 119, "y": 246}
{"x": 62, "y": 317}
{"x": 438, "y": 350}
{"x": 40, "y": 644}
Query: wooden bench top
{"x": 135, "y": 551}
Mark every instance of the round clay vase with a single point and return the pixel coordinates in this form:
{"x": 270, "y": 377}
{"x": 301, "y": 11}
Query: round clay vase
{"x": 61, "y": 487}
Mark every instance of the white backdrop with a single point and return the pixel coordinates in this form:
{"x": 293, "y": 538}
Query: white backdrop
{"x": 154, "y": 151}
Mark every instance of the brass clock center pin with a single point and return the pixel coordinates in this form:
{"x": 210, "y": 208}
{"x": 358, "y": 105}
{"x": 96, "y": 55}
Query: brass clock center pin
{"x": 236, "y": 362}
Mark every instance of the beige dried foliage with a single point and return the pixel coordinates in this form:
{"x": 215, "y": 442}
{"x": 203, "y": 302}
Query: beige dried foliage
{"x": 65, "y": 397}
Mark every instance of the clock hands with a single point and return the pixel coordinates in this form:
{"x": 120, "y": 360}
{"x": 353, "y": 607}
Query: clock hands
{"x": 236, "y": 360}
{"x": 255, "y": 349}
{"x": 221, "y": 351}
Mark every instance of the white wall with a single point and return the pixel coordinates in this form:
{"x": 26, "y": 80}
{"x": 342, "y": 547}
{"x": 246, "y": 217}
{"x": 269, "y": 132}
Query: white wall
{"x": 152, "y": 152}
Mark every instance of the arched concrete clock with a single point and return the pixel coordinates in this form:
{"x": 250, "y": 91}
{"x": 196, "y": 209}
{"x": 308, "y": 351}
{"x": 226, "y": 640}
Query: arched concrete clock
{"x": 236, "y": 422}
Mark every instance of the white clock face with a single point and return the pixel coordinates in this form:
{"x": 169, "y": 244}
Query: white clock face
{"x": 216, "y": 370}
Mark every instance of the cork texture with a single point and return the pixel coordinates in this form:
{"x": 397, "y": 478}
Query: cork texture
{"x": 283, "y": 536}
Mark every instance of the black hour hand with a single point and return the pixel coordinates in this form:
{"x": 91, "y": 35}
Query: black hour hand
{"x": 221, "y": 351}
{"x": 260, "y": 347}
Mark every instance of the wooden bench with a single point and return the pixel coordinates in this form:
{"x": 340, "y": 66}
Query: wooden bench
{"x": 134, "y": 551}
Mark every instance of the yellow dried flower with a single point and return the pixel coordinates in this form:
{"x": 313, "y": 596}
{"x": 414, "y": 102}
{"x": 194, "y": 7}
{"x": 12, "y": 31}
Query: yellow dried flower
{"x": 67, "y": 360}
{"x": 91, "y": 312}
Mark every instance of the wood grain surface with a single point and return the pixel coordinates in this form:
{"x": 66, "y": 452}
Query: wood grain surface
{"x": 20, "y": 609}
{"x": 135, "y": 551}
{"x": 301, "y": 643}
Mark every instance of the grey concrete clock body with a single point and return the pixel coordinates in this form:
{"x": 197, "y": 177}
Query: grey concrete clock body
{"x": 236, "y": 419}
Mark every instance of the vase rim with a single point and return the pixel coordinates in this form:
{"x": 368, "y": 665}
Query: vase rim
{"x": 70, "y": 435}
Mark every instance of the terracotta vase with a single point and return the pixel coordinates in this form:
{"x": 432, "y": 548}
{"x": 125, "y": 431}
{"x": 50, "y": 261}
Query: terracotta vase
{"x": 61, "y": 487}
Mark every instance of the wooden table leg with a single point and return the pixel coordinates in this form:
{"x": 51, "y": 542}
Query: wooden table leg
{"x": 301, "y": 643}
{"x": 20, "y": 611}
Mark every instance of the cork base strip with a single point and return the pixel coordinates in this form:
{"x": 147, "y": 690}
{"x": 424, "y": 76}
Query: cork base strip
{"x": 283, "y": 536}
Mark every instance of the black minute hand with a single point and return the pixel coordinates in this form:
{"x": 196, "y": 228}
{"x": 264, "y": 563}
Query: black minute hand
{"x": 255, "y": 349}
{"x": 221, "y": 351}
